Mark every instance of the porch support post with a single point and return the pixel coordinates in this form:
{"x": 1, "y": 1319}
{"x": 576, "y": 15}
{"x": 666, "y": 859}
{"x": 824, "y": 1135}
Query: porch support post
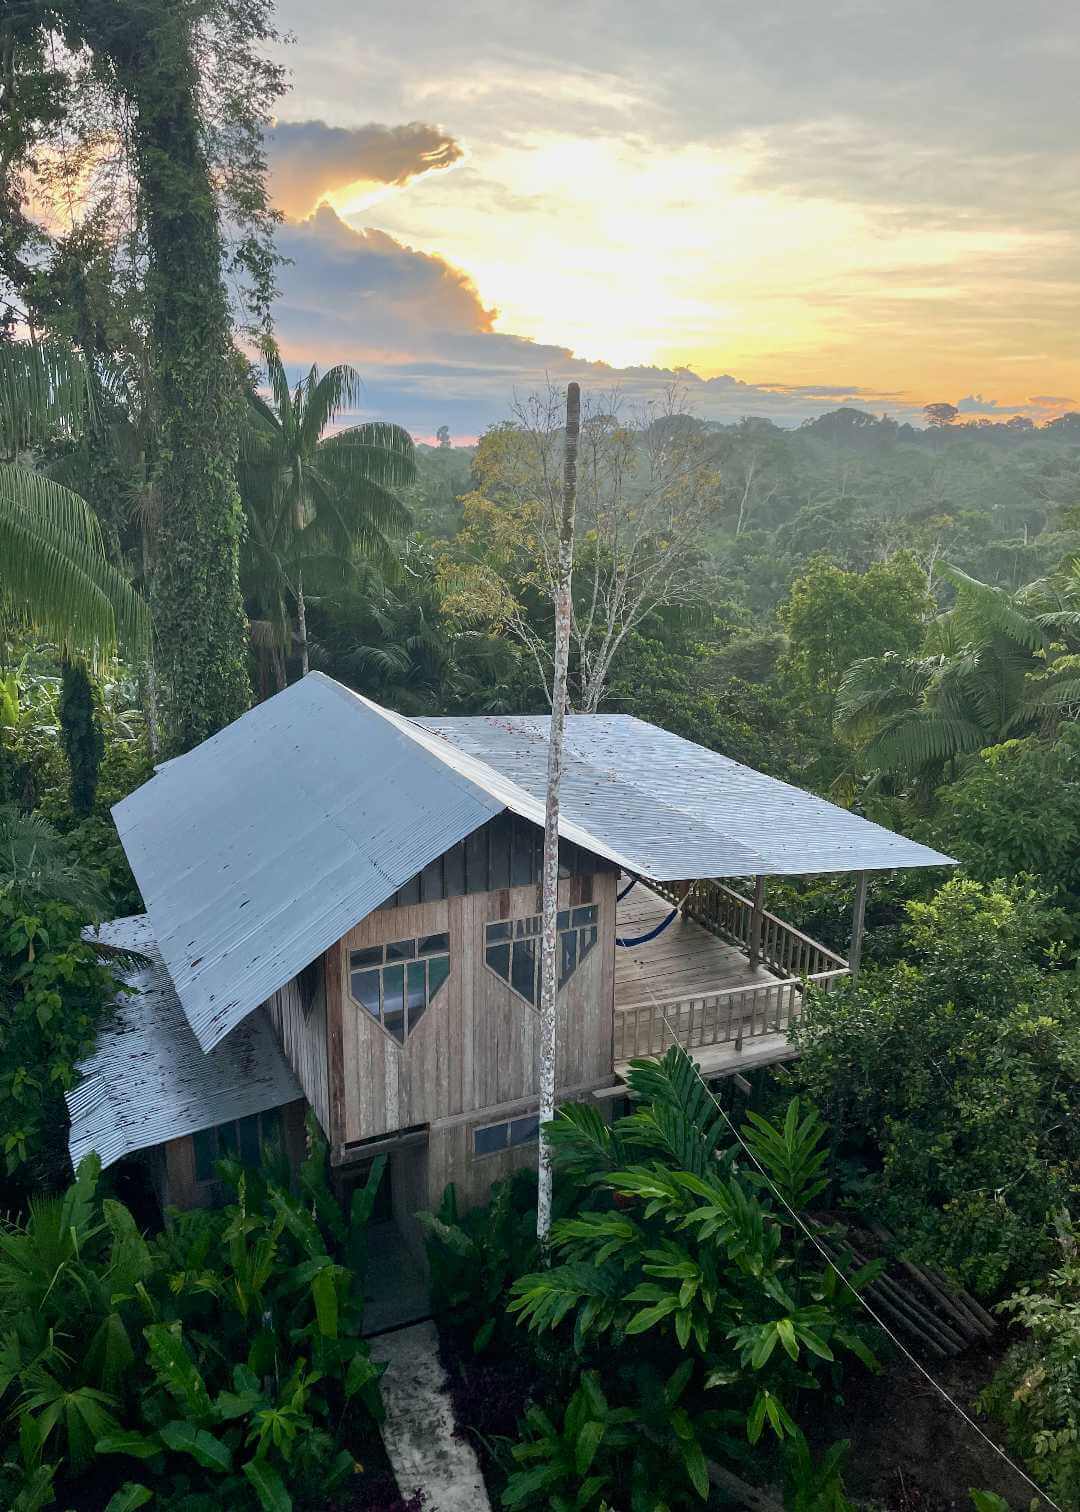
{"x": 858, "y": 918}
{"x": 755, "y": 920}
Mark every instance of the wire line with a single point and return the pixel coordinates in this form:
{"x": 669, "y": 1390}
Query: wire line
{"x": 885, "y": 1329}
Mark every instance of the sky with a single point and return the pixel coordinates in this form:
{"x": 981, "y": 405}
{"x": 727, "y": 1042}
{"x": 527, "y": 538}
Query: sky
{"x": 780, "y": 207}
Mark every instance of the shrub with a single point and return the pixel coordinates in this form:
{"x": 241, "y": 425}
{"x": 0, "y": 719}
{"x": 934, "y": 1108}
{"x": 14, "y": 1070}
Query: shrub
{"x": 1036, "y": 1392}
{"x": 222, "y": 1362}
{"x": 955, "y": 1076}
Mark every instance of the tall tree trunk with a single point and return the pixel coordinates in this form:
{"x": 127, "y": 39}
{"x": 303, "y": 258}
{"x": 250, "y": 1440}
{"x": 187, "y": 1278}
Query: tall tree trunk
{"x": 301, "y": 625}
{"x": 549, "y": 970}
{"x": 198, "y": 611}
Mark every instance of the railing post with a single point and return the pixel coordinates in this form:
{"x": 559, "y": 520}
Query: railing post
{"x": 755, "y": 921}
{"x": 858, "y": 919}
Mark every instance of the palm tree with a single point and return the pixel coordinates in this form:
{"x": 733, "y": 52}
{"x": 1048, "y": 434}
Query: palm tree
{"x": 55, "y": 576}
{"x": 995, "y": 666}
{"x": 316, "y": 504}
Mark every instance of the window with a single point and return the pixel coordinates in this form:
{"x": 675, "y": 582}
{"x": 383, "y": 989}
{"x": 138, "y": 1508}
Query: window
{"x": 243, "y": 1139}
{"x": 508, "y": 1135}
{"x": 397, "y": 981}
{"x": 512, "y": 948}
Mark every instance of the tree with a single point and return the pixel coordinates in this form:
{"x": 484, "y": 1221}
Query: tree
{"x": 928, "y": 1070}
{"x": 181, "y": 92}
{"x": 647, "y": 491}
{"x": 55, "y": 576}
{"x": 442, "y": 436}
{"x": 992, "y": 667}
{"x": 316, "y": 505}
{"x": 832, "y": 617}
{"x": 81, "y": 736}
{"x": 549, "y": 940}
{"x": 940, "y": 415}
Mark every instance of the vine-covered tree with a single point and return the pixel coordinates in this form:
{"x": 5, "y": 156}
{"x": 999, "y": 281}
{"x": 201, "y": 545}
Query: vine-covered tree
{"x": 153, "y": 117}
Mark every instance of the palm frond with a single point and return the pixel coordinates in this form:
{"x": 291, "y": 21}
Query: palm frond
{"x": 54, "y": 570}
{"x": 981, "y": 607}
{"x": 325, "y": 396}
{"x": 42, "y": 386}
{"x": 923, "y": 737}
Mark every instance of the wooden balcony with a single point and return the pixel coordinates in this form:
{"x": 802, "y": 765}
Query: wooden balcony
{"x": 707, "y": 982}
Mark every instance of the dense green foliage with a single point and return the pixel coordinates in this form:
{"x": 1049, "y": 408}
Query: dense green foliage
{"x": 679, "y": 1283}
{"x": 53, "y": 992}
{"x": 952, "y": 1081}
{"x": 221, "y": 1362}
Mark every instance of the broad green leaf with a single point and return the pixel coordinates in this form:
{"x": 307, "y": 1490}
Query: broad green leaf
{"x": 203, "y": 1447}
{"x": 138, "y": 1445}
{"x": 129, "y": 1496}
{"x": 268, "y": 1486}
{"x": 324, "y": 1293}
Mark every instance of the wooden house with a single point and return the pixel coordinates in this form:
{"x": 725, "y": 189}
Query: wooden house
{"x": 343, "y": 915}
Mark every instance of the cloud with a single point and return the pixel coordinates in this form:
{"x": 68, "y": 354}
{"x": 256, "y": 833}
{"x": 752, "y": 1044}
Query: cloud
{"x": 309, "y": 159}
{"x": 1050, "y": 401}
{"x": 429, "y": 353}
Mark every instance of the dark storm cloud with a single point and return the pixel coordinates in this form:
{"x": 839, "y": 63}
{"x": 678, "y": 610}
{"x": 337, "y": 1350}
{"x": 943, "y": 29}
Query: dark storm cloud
{"x": 309, "y": 159}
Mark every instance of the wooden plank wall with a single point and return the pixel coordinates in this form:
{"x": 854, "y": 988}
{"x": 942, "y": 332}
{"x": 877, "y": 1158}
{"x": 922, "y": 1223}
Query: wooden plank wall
{"x": 301, "y": 1033}
{"x": 507, "y": 851}
{"x": 476, "y": 1047}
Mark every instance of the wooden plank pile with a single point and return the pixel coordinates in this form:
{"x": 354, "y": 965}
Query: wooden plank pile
{"x": 930, "y": 1315}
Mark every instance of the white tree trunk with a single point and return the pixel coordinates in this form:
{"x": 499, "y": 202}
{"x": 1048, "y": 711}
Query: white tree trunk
{"x": 301, "y": 624}
{"x": 549, "y": 967}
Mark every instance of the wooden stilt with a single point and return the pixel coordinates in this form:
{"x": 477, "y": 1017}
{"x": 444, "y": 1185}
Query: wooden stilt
{"x": 755, "y": 920}
{"x": 858, "y": 919}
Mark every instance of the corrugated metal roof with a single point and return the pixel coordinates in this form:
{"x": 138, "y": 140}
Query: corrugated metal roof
{"x": 262, "y": 847}
{"x": 674, "y": 809}
{"x": 259, "y": 849}
{"x": 148, "y": 1080}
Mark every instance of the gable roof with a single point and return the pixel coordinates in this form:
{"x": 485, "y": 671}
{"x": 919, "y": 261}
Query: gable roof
{"x": 674, "y": 809}
{"x": 148, "y": 1081}
{"x": 263, "y": 846}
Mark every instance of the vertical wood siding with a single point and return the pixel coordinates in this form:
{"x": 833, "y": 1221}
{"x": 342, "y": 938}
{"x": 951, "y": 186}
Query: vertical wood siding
{"x": 302, "y": 1035}
{"x": 476, "y": 1046}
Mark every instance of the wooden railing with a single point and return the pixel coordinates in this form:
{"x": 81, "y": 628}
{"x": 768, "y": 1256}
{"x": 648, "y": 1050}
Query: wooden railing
{"x": 719, "y": 1018}
{"x": 782, "y": 949}
{"x": 737, "y": 1014}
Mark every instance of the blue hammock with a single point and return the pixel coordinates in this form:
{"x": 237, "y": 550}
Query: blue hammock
{"x": 620, "y": 896}
{"x": 652, "y": 934}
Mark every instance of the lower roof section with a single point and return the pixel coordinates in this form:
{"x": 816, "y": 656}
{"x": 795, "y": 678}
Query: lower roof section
{"x": 148, "y": 1081}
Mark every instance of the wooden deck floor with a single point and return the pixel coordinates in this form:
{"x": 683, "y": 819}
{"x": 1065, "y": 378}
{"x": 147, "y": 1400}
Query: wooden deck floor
{"x": 684, "y": 961}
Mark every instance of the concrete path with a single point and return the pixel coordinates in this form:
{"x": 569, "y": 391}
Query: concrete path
{"x": 419, "y": 1428}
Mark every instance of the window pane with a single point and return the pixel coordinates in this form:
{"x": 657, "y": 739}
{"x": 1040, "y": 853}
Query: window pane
{"x": 563, "y": 920}
{"x": 248, "y": 1130}
{"x": 523, "y": 969}
{"x": 393, "y": 989}
{"x": 416, "y": 985}
{"x": 501, "y": 931}
{"x": 584, "y": 916}
{"x": 523, "y": 1130}
{"x": 394, "y": 1021}
{"x": 567, "y": 955}
{"x": 365, "y": 989}
{"x": 433, "y": 944}
{"x": 401, "y": 950}
{"x": 205, "y": 1154}
{"x": 438, "y": 971}
{"x": 586, "y": 941}
{"x": 498, "y": 958}
{"x": 370, "y": 957}
{"x": 487, "y": 1141}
